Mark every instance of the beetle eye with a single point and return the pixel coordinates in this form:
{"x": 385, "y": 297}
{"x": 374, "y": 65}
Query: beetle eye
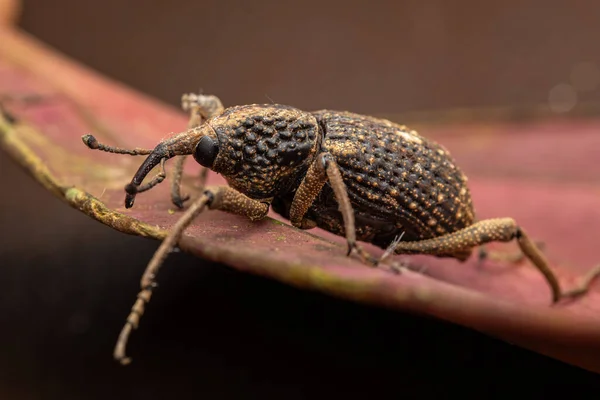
{"x": 206, "y": 151}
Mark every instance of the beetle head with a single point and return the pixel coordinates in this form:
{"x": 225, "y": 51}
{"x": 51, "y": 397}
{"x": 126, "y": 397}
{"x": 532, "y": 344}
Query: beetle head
{"x": 260, "y": 149}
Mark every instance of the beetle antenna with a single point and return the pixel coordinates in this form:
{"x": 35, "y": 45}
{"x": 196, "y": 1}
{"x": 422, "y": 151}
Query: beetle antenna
{"x": 91, "y": 142}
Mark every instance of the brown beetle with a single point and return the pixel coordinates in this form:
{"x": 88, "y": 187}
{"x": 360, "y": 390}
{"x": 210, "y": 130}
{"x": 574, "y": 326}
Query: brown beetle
{"x": 356, "y": 176}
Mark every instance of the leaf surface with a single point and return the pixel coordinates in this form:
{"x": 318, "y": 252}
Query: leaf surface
{"x": 543, "y": 174}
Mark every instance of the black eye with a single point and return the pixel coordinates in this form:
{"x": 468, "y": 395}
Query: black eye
{"x": 206, "y": 151}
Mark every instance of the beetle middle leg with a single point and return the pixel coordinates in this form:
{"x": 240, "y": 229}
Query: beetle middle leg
{"x": 496, "y": 230}
{"x": 324, "y": 169}
{"x": 222, "y": 198}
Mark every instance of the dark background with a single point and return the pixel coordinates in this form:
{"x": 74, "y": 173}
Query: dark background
{"x": 369, "y": 57}
{"x": 211, "y": 332}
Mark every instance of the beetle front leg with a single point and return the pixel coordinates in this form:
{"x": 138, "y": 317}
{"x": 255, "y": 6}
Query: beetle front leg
{"x": 221, "y": 198}
{"x": 496, "y": 230}
{"x": 201, "y": 107}
{"x": 324, "y": 169}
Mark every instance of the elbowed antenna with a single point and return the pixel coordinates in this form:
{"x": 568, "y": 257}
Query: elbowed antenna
{"x": 178, "y": 145}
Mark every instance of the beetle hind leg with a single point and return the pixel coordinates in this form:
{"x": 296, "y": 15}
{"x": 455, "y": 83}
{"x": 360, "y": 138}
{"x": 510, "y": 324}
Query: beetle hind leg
{"x": 497, "y": 230}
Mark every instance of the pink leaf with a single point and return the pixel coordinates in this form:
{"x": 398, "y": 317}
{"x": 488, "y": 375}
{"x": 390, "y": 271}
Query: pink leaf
{"x": 545, "y": 175}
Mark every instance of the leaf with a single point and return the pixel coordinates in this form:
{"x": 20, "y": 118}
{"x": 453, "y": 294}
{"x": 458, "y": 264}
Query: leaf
{"x": 543, "y": 174}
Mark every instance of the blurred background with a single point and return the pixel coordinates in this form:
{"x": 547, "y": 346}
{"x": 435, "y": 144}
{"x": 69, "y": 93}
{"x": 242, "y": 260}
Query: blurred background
{"x": 383, "y": 57}
{"x": 68, "y": 281}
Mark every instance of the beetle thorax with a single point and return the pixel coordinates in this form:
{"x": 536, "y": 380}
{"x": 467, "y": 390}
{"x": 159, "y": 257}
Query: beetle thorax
{"x": 264, "y": 148}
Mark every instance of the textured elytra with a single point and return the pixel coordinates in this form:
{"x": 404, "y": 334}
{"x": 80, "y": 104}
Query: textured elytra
{"x": 263, "y": 148}
{"x": 398, "y": 181}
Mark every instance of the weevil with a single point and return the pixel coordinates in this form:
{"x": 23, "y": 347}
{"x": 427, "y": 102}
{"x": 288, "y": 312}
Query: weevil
{"x": 359, "y": 177}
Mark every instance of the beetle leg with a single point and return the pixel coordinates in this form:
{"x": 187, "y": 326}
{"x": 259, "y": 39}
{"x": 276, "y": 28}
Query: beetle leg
{"x": 324, "y": 169}
{"x": 496, "y": 230}
{"x": 176, "y": 196}
{"x": 221, "y": 198}
{"x": 201, "y": 108}
{"x": 207, "y": 105}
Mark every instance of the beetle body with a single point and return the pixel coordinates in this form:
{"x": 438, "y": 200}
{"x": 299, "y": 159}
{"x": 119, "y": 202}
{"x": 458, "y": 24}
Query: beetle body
{"x": 398, "y": 182}
{"x": 356, "y": 176}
